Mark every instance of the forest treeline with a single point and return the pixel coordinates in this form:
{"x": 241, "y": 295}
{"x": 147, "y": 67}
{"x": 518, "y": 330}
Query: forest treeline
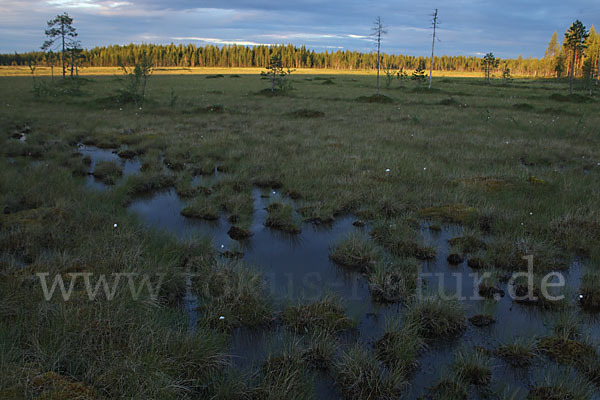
{"x": 554, "y": 63}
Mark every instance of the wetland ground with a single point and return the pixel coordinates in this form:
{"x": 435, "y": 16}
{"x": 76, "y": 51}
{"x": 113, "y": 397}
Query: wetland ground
{"x": 304, "y": 245}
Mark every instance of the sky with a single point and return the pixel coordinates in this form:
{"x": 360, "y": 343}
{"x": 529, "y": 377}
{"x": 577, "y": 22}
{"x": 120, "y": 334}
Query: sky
{"x": 507, "y": 28}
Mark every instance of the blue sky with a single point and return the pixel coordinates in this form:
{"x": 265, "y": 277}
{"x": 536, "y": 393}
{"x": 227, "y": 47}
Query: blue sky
{"x": 508, "y": 28}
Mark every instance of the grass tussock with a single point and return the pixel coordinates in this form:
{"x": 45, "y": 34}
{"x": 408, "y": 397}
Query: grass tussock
{"x": 148, "y": 183}
{"x": 282, "y": 218}
{"x": 560, "y": 384}
{"x": 395, "y": 281}
{"x": 436, "y": 318}
{"x": 519, "y": 352}
{"x": 324, "y": 316}
{"x": 357, "y": 252}
{"x": 202, "y": 208}
{"x": 108, "y": 172}
{"x": 472, "y": 367}
{"x": 400, "y": 346}
{"x": 402, "y": 240}
{"x": 284, "y": 376}
{"x": 359, "y": 376}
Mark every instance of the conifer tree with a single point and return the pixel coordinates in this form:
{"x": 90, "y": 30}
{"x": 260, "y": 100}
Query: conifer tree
{"x": 61, "y": 30}
{"x": 575, "y": 38}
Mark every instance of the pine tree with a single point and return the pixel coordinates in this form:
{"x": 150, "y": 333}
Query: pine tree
{"x": 489, "y": 63}
{"x": 553, "y": 47}
{"x": 60, "y": 29}
{"x": 575, "y": 38}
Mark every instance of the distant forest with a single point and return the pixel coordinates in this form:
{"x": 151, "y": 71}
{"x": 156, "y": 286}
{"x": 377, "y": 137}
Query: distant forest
{"x": 552, "y": 64}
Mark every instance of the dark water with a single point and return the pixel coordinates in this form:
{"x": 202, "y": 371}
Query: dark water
{"x": 96, "y": 154}
{"x": 298, "y": 267}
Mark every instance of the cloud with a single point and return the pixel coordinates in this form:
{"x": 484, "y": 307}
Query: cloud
{"x": 508, "y": 29}
{"x": 219, "y": 41}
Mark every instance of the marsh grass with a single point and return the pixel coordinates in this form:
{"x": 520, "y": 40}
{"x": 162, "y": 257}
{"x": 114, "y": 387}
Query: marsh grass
{"x": 449, "y": 388}
{"x": 435, "y": 318}
{"x": 590, "y": 289}
{"x": 393, "y": 281}
{"x": 202, "y": 208}
{"x": 519, "y": 352}
{"x": 359, "y": 376}
{"x": 401, "y": 239}
{"x": 336, "y": 163}
{"x": 236, "y": 293}
{"x": 285, "y": 375}
{"x": 558, "y": 384}
{"x": 356, "y": 251}
{"x": 281, "y": 217}
{"x": 472, "y": 367}
{"x": 148, "y": 183}
{"x": 468, "y": 243}
{"x": 325, "y": 316}
{"x": 400, "y": 346}
{"x": 108, "y": 172}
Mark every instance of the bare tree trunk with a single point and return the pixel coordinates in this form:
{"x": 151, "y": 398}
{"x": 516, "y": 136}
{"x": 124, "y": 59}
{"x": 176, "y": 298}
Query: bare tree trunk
{"x": 378, "y": 59}
{"x": 598, "y": 73}
{"x": 432, "y": 45}
{"x": 572, "y": 72}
